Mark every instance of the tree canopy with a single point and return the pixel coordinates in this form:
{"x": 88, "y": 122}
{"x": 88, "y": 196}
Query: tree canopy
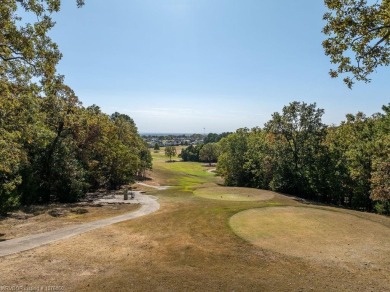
{"x": 209, "y": 153}
{"x": 51, "y": 147}
{"x": 170, "y": 151}
{"x": 358, "y": 37}
{"x": 296, "y": 153}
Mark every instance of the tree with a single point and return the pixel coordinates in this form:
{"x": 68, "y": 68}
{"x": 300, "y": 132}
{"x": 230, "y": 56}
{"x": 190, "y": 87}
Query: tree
{"x": 214, "y": 138}
{"x": 145, "y": 161}
{"x": 359, "y": 37}
{"x": 380, "y": 175}
{"x": 170, "y": 151}
{"x": 260, "y": 158}
{"x": 231, "y": 161}
{"x": 191, "y": 153}
{"x": 156, "y": 147}
{"x": 299, "y": 133}
{"x": 346, "y": 165}
{"x": 209, "y": 153}
{"x": 26, "y": 50}
{"x": 51, "y": 147}
{"x": 210, "y": 138}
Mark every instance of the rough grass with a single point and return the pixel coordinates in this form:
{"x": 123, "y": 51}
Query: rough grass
{"x": 187, "y": 245}
{"x": 234, "y": 194}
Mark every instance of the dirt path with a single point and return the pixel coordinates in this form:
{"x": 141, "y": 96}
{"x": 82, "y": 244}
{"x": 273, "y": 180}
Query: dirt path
{"x": 149, "y": 205}
{"x": 160, "y": 188}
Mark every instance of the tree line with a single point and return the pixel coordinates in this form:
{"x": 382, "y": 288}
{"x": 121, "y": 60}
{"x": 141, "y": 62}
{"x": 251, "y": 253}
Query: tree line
{"x": 54, "y": 149}
{"x": 51, "y": 147}
{"x": 206, "y": 152}
{"x": 295, "y": 153}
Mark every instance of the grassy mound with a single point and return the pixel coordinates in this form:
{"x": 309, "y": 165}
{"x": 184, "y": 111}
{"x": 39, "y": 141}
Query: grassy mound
{"x": 315, "y": 234}
{"x": 234, "y": 194}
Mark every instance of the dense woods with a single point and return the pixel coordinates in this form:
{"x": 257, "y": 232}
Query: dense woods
{"x": 295, "y": 153}
{"x": 54, "y": 149}
{"x": 51, "y": 147}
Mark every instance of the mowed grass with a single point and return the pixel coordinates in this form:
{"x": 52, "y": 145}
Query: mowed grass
{"x": 319, "y": 235}
{"x": 234, "y": 194}
{"x": 185, "y": 175}
{"x": 188, "y": 245}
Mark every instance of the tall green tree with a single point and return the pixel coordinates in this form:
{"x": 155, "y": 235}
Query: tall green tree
{"x": 145, "y": 160}
{"x": 358, "y": 37}
{"x": 355, "y": 139}
{"x": 260, "y": 158}
{"x": 380, "y": 175}
{"x": 299, "y": 133}
{"x": 191, "y": 153}
{"x": 209, "y": 153}
{"x": 231, "y": 161}
{"x": 170, "y": 151}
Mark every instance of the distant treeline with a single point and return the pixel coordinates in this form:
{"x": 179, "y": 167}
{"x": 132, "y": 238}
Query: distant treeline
{"x": 208, "y": 154}
{"x": 295, "y": 153}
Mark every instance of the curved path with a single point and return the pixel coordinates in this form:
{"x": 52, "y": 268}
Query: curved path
{"x": 149, "y": 205}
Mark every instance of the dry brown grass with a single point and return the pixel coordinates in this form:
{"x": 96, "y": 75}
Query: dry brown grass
{"x": 233, "y": 194}
{"x": 186, "y": 245}
{"x": 316, "y": 235}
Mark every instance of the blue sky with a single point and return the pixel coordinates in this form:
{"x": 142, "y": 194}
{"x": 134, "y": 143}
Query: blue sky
{"x": 184, "y": 65}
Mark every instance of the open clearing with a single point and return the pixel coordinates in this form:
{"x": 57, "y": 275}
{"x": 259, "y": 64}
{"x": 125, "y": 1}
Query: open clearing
{"x": 317, "y": 235}
{"x": 234, "y": 194}
{"x": 188, "y": 244}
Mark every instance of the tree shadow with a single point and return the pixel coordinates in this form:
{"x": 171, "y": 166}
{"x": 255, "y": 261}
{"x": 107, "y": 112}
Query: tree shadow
{"x": 2, "y": 239}
{"x": 143, "y": 178}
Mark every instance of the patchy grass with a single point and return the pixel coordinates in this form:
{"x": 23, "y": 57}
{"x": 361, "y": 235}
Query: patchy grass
{"x": 189, "y": 245}
{"x": 234, "y": 194}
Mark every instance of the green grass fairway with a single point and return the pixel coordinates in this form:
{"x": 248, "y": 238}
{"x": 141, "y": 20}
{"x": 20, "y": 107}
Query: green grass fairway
{"x": 186, "y": 175}
{"x": 315, "y": 234}
{"x": 234, "y": 194}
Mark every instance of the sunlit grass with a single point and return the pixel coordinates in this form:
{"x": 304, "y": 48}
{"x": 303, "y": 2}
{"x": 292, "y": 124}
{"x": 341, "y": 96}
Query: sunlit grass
{"x": 234, "y": 194}
{"x": 185, "y": 175}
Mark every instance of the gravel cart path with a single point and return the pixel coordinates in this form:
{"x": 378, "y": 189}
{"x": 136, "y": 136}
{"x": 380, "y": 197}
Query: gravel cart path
{"x": 149, "y": 205}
